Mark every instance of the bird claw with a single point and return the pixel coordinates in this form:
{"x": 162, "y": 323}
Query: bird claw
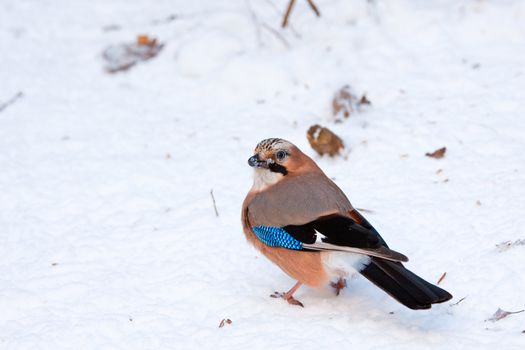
{"x": 293, "y": 301}
{"x": 339, "y": 285}
{"x": 290, "y": 299}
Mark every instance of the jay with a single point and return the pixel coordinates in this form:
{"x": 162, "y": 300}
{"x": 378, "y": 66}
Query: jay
{"x": 300, "y": 220}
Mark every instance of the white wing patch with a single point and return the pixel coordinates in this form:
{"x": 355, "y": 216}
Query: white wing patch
{"x": 318, "y": 237}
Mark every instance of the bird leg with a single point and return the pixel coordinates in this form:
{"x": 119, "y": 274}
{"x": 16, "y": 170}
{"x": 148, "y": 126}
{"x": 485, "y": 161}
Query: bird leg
{"x": 340, "y": 284}
{"x": 288, "y": 296}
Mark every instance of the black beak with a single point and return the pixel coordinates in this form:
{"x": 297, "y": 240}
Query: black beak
{"x": 254, "y": 161}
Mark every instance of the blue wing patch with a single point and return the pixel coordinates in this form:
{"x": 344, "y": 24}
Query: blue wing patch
{"x": 276, "y": 237}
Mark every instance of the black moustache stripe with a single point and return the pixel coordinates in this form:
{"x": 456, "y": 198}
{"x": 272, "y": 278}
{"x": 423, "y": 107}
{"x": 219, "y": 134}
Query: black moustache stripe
{"x": 277, "y": 168}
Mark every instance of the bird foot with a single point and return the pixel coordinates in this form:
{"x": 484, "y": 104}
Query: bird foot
{"x": 288, "y": 297}
{"x": 339, "y": 285}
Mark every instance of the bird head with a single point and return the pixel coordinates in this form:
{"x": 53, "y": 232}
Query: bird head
{"x": 275, "y": 159}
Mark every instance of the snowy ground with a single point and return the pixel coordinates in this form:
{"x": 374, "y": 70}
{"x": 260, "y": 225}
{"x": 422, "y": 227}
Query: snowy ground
{"x": 109, "y": 238}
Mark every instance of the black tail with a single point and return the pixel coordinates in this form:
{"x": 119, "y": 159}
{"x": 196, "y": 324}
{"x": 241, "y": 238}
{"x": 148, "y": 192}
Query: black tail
{"x": 403, "y": 285}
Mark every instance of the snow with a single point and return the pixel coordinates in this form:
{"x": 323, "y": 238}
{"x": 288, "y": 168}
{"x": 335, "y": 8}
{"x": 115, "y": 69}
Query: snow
{"x": 109, "y": 239}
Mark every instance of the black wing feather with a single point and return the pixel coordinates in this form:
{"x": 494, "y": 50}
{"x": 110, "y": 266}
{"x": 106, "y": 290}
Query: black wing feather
{"x": 338, "y": 230}
{"x": 391, "y": 276}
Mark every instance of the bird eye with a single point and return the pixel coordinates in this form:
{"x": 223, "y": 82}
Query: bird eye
{"x": 280, "y": 155}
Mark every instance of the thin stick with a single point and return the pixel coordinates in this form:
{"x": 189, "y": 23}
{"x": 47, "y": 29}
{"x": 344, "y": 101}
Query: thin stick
{"x": 442, "y": 277}
{"x": 278, "y": 11}
{"x": 290, "y": 7}
{"x": 11, "y": 100}
{"x": 287, "y": 14}
{"x": 312, "y": 5}
{"x": 214, "y": 205}
{"x": 460, "y": 300}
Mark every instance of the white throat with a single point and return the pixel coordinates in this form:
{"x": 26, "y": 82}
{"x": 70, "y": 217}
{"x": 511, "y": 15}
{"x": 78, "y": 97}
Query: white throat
{"x": 264, "y": 178}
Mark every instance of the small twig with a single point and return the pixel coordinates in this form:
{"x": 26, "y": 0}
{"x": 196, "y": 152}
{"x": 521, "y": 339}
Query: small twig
{"x": 214, "y": 205}
{"x": 278, "y": 12}
{"x": 442, "y": 277}
{"x": 12, "y": 100}
{"x": 316, "y": 10}
{"x": 459, "y": 301}
{"x": 287, "y": 13}
{"x": 290, "y": 7}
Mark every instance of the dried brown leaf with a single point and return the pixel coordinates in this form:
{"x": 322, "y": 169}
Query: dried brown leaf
{"x": 324, "y": 141}
{"x": 364, "y": 100}
{"x": 124, "y": 56}
{"x": 146, "y": 40}
{"x": 224, "y": 322}
{"x": 500, "y": 314}
{"x": 345, "y": 102}
{"x": 438, "y": 154}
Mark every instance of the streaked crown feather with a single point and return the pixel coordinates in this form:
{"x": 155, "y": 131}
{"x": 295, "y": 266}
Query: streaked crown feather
{"x": 271, "y": 144}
